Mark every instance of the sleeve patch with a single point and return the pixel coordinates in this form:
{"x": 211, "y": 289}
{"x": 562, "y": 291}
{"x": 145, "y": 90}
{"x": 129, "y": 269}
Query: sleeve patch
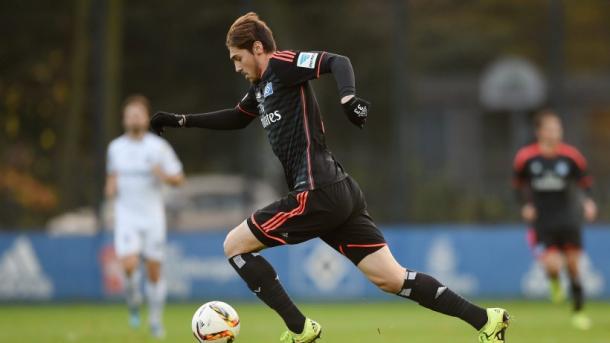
{"x": 307, "y": 60}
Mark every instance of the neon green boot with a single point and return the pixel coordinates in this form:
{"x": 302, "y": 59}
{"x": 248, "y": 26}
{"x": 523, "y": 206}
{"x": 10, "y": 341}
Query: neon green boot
{"x": 495, "y": 329}
{"x": 311, "y": 333}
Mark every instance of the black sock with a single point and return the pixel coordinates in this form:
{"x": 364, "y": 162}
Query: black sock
{"x": 578, "y": 297}
{"x": 430, "y": 293}
{"x": 261, "y": 278}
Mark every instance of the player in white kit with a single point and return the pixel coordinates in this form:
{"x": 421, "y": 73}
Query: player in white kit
{"x": 138, "y": 165}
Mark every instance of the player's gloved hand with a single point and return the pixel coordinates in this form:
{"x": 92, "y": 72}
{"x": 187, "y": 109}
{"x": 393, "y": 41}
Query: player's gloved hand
{"x": 357, "y": 110}
{"x": 160, "y": 120}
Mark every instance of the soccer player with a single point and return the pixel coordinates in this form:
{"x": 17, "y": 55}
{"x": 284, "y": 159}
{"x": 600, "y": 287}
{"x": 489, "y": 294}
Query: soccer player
{"x": 139, "y": 163}
{"x": 554, "y": 185}
{"x": 324, "y": 201}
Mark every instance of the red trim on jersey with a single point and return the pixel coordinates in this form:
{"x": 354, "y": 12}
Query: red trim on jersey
{"x": 525, "y": 154}
{"x": 245, "y": 112}
{"x": 287, "y": 56}
{"x": 286, "y": 52}
{"x": 282, "y": 58}
{"x": 319, "y": 64}
{"x": 280, "y": 218}
{"x": 366, "y": 245}
{"x": 586, "y": 182}
{"x": 573, "y": 154}
{"x": 341, "y": 249}
{"x": 263, "y": 231}
{"x": 305, "y": 119}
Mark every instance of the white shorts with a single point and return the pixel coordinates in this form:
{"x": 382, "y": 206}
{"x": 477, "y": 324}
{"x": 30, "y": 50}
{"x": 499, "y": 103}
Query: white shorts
{"x": 147, "y": 241}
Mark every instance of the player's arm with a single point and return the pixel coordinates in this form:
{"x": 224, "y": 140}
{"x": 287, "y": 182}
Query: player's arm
{"x": 169, "y": 170}
{"x": 585, "y": 182}
{"x": 294, "y": 68}
{"x": 170, "y": 179}
{"x": 228, "y": 119}
{"x": 523, "y": 193}
{"x": 110, "y": 188}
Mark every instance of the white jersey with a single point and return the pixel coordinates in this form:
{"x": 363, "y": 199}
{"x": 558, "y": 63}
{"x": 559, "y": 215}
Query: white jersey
{"x": 139, "y": 201}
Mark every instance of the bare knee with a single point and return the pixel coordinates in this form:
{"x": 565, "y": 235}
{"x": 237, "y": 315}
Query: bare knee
{"x": 130, "y": 263}
{"x": 230, "y": 246}
{"x": 241, "y": 240}
{"x": 154, "y": 271}
{"x": 389, "y": 283}
{"x": 553, "y": 262}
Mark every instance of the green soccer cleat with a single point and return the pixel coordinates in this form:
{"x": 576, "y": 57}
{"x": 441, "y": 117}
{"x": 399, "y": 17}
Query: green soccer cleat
{"x": 557, "y": 295}
{"x": 581, "y": 321}
{"x": 495, "y": 329}
{"x": 311, "y": 332}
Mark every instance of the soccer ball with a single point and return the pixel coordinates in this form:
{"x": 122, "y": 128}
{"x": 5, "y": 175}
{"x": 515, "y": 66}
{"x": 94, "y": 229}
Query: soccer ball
{"x": 215, "y": 322}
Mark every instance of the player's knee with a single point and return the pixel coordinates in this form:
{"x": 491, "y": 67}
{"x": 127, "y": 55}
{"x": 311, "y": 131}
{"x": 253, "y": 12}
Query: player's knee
{"x": 232, "y": 245}
{"x": 130, "y": 264}
{"x": 390, "y": 283}
{"x": 228, "y": 246}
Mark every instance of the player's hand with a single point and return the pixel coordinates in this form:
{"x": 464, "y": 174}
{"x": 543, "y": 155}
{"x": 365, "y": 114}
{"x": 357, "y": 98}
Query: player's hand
{"x": 529, "y": 213}
{"x": 357, "y": 110}
{"x": 590, "y": 210}
{"x": 158, "y": 172}
{"x": 160, "y": 120}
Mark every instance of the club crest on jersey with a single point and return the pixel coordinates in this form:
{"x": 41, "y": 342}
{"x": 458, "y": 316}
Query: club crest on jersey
{"x": 562, "y": 168}
{"x": 536, "y": 167}
{"x": 307, "y": 60}
{"x": 268, "y": 90}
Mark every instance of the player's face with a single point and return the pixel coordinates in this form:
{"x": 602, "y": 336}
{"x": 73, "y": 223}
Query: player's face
{"x": 246, "y": 62}
{"x": 550, "y": 131}
{"x": 135, "y": 118}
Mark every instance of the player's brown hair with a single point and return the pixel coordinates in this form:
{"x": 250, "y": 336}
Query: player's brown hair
{"x": 248, "y": 29}
{"x": 542, "y": 115}
{"x": 137, "y": 99}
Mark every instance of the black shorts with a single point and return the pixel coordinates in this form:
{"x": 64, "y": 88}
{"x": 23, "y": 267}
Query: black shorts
{"x": 335, "y": 213}
{"x": 560, "y": 238}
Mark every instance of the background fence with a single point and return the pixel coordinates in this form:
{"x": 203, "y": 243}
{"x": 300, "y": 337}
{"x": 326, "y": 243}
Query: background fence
{"x": 474, "y": 262}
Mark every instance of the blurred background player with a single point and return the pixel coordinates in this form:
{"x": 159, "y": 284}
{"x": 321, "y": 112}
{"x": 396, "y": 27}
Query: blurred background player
{"x": 138, "y": 165}
{"x": 553, "y": 183}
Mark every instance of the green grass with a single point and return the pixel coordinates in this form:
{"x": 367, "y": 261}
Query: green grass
{"x": 375, "y": 322}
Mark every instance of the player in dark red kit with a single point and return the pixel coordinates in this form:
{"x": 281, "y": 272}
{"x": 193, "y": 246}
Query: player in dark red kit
{"x": 554, "y": 186}
{"x": 324, "y": 201}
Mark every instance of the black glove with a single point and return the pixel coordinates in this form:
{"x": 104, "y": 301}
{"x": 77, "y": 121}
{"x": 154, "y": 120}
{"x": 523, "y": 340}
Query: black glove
{"x": 160, "y": 120}
{"x": 357, "y": 111}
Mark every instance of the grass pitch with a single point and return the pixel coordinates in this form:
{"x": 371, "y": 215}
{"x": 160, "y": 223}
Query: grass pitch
{"x": 392, "y": 322}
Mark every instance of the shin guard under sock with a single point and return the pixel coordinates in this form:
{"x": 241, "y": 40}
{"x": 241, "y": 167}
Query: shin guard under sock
{"x": 261, "y": 278}
{"x": 430, "y": 293}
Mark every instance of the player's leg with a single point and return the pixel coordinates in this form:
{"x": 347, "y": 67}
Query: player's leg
{"x": 154, "y": 251}
{"x": 361, "y": 241}
{"x": 573, "y": 253}
{"x": 573, "y": 264}
{"x": 552, "y": 261}
{"x": 133, "y": 296}
{"x": 241, "y": 247}
{"x": 127, "y": 245}
{"x": 383, "y": 270}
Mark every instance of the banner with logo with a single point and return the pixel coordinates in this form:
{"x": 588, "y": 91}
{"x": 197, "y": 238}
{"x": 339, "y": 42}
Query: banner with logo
{"x": 476, "y": 261}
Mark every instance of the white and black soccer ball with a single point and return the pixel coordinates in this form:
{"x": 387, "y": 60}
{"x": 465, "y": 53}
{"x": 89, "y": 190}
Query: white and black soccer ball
{"x": 215, "y": 322}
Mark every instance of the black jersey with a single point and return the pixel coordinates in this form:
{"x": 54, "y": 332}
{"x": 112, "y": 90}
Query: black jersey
{"x": 554, "y": 184}
{"x": 286, "y": 105}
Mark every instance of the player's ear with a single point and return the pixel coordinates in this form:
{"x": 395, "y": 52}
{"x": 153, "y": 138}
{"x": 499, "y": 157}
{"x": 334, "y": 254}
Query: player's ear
{"x": 257, "y": 48}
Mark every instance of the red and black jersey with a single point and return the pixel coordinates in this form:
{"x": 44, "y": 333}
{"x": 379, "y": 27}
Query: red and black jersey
{"x": 286, "y": 105}
{"x": 553, "y": 184}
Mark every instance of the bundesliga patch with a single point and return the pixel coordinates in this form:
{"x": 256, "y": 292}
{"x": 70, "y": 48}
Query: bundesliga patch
{"x": 268, "y": 90}
{"x": 307, "y": 60}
